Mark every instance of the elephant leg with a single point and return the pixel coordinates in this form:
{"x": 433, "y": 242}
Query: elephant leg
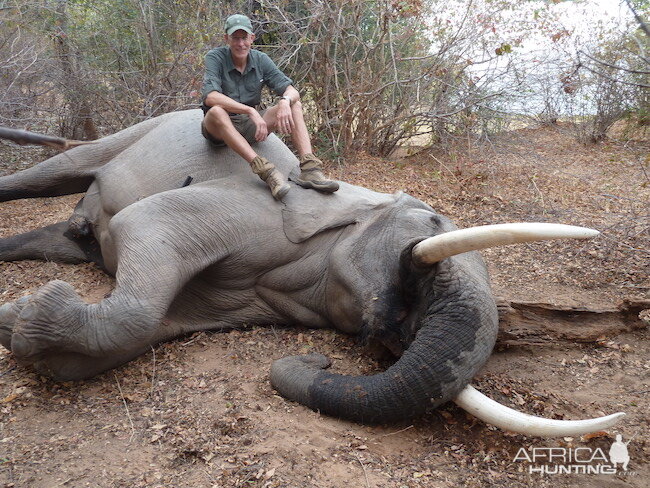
{"x": 55, "y": 242}
{"x": 72, "y": 171}
{"x": 60, "y": 365}
{"x": 60, "y": 335}
{"x": 47, "y": 180}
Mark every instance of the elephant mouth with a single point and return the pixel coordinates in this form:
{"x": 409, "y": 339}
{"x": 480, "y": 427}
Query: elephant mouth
{"x": 435, "y": 249}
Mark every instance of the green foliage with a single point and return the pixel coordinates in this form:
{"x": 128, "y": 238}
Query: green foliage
{"x": 503, "y": 49}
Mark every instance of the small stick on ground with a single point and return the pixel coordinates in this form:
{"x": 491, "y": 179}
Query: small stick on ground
{"x": 445, "y": 166}
{"x": 153, "y": 373}
{"x": 398, "y": 431}
{"x": 126, "y": 407}
{"x": 541, "y": 197}
{"x": 365, "y": 472}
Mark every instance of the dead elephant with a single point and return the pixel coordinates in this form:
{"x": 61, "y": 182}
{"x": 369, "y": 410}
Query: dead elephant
{"x": 221, "y": 252}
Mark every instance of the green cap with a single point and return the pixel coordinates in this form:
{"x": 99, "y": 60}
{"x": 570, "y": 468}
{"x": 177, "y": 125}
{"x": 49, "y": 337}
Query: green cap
{"x": 238, "y": 22}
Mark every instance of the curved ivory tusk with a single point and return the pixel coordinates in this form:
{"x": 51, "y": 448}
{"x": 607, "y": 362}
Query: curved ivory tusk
{"x": 442, "y": 246}
{"x": 491, "y": 412}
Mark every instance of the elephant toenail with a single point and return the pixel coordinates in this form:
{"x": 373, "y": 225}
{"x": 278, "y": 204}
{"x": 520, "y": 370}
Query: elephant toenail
{"x": 8, "y": 312}
{"x": 20, "y": 346}
{"x": 28, "y": 312}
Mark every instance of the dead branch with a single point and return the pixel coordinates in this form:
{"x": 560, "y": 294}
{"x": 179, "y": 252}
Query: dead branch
{"x": 611, "y": 78}
{"x": 638, "y": 18}
{"x": 615, "y": 67}
{"x": 24, "y": 137}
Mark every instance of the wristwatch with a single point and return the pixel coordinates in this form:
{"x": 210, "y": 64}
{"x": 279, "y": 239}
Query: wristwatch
{"x": 287, "y": 98}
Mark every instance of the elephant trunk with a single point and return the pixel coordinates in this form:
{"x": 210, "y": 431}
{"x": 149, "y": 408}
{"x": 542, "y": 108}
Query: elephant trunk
{"x": 454, "y": 339}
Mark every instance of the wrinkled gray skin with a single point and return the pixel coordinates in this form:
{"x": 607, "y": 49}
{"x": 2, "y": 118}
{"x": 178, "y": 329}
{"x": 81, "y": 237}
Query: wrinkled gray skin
{"x": 221, "y": 253}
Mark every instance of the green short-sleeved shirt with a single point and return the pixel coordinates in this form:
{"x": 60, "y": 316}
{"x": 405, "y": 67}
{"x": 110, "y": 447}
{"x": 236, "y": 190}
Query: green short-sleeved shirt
{"x": 222, "y": 76}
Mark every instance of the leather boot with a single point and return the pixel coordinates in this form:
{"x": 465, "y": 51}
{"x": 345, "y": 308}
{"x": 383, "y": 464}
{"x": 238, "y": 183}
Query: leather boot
{"x": 267, "y": 172}
{"x": 311, "y": 175}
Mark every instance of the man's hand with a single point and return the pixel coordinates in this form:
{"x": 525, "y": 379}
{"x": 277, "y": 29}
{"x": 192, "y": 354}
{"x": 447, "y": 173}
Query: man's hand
{"x": 284, "y": 117}
{"x": 262, "y": 131}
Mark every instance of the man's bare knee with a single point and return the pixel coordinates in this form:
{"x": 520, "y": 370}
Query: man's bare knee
{"x": 217, "y": 119}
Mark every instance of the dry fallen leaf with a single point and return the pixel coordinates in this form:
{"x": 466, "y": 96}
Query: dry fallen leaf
{"x": 421, "y": 474}
{"x": 448, "y": 417}
{"x": 10, "y": 398}
{"x": 594, "y": 435}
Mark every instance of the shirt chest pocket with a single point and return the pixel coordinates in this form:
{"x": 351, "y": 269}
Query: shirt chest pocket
{"x": 254, "y": 83}
{"x": 253, "y": 89}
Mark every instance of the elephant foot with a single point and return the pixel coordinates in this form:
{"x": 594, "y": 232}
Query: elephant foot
{"x": 46, "y": 321}
{"x": 55, "y": 333}
{"x": 8, "y": 314}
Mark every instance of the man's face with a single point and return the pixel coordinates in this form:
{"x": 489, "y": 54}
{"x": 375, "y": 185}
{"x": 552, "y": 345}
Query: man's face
{"x": 240, "y": 43}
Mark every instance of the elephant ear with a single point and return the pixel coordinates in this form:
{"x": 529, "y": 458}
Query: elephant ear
{"x": 308, "y": 212}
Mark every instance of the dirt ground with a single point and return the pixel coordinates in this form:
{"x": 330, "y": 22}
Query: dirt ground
{"x": 199, "y": 412}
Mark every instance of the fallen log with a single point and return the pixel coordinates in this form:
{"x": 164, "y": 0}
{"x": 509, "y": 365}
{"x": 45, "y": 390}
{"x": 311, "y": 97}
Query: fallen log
{"x": 543, "y": 324}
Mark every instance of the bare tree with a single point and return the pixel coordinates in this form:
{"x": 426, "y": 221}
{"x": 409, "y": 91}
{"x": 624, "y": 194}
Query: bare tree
{"x": 380, "y": 73}
{"x": 76, "y": 119}
{"x": 19, "y": 62}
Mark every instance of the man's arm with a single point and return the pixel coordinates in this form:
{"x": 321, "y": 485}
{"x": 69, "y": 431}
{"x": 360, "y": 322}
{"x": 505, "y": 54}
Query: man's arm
{"x": 292, "y": 93}
{"x": 285, "y": 121}
{"x": 215, "y": 98}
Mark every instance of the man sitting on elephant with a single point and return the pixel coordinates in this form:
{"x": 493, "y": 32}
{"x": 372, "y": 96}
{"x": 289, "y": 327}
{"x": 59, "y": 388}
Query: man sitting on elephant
{"x": 232, "y": 87}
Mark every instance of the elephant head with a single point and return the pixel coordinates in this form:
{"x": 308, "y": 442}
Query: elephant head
{"x": 447, "y": 325}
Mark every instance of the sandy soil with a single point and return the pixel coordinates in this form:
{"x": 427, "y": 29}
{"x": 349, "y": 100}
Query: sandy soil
{"x": 199, "y": 412}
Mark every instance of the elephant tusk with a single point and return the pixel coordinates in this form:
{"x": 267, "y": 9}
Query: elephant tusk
{"x": 442, "y": 246}
{"x": 491, "y": 412}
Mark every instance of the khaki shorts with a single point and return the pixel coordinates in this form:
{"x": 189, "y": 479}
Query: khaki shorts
{"x": 242, "y": 123}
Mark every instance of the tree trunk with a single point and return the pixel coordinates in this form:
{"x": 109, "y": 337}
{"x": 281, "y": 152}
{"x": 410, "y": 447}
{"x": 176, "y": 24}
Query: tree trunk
{"x": 78, "y": 122}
